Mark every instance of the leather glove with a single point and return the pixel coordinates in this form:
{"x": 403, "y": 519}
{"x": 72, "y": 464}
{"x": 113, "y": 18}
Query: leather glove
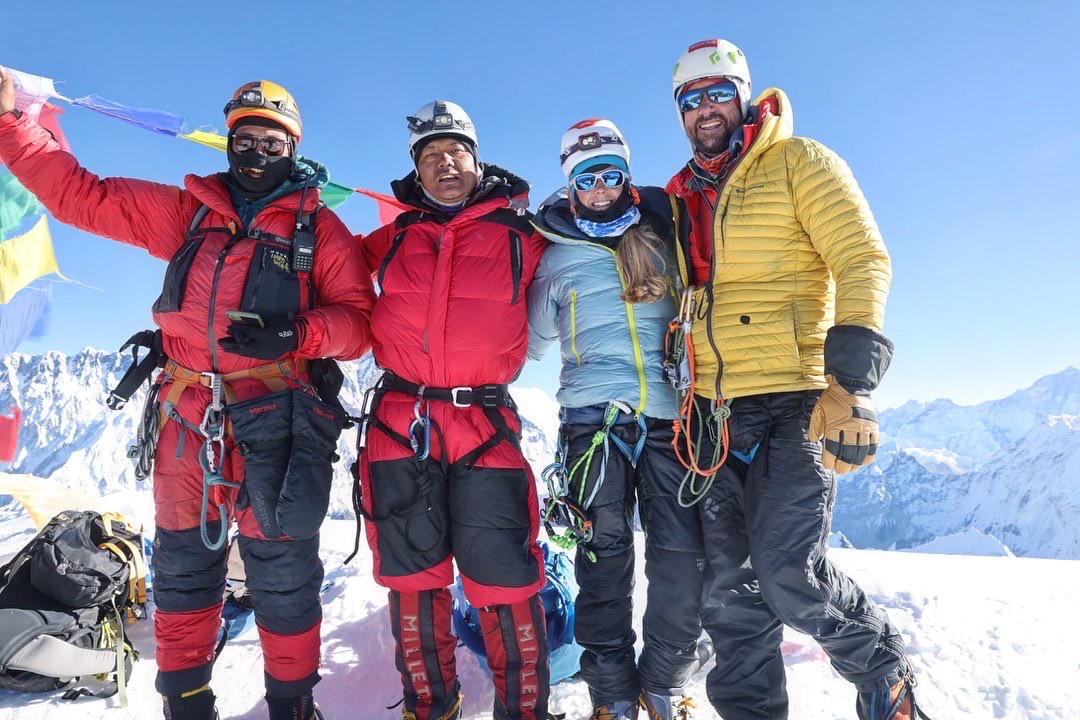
{"x": 280, "y": 337}
{"x": 849, "y": 427}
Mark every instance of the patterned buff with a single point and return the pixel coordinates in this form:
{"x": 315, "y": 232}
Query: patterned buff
{"x": 609, "y": 229}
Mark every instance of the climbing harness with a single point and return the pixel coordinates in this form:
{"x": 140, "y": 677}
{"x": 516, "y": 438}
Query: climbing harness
{"x": 564, "y": 506}
{"x": 213, "y": 428}
{"x": 419, "y": 434}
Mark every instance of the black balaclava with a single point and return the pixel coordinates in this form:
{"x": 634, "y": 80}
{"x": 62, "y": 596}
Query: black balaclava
{"x": 276, "y": 170}
{"x": 612, "y": 211}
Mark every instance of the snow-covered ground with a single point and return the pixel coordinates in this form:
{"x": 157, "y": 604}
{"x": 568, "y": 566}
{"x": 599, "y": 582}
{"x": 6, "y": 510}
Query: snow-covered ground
{"x": 990, "y": 637}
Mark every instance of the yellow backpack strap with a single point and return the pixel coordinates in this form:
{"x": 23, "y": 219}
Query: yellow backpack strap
{"x": 138, "y": 573}
{"x": 130, "y": 553}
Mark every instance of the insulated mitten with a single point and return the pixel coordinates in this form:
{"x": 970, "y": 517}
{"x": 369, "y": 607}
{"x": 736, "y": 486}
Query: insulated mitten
{"x": 262, "y": 430}
{"x": 849, "y": 427}
{"x": 305, "y": 495}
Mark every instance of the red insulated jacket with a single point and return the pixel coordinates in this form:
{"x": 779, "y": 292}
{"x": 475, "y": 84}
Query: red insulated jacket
{"x": 451, "y": 311}
{"x": 225, "y": 270}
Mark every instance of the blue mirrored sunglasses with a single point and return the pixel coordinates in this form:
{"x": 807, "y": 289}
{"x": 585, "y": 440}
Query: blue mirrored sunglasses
{"x": 721, "y": 92}
{"x": 611, "y": 179}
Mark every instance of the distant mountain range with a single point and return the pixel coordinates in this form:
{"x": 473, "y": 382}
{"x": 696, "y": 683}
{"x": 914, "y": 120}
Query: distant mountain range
{"x": 1004, "y": 475}
{"x": 1007, "y": 469}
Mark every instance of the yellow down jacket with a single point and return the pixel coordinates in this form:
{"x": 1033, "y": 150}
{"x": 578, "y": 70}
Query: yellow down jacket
{"x": 796, "y": 251}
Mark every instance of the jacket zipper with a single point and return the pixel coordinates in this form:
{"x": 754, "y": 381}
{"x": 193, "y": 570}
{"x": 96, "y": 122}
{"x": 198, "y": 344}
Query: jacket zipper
{"x": 639, "y": 363}
{"x": 218, "y": 265}
{"x": 631, "y": 320}
{"x": 712, "y": 276}
{"x": 515, "y": 264}
{"x": 573, "y": 326}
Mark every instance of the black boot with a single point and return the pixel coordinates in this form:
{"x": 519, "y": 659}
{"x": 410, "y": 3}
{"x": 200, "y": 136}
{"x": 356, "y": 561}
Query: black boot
{"x": 294, "y": 708}
{"x": 196, "y": 705}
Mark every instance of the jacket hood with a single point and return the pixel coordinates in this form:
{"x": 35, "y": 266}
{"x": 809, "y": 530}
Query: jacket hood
{"x": 496, "y": 183}
{"x": 316, "y": 174}
{"x": 555, "y": 220}
{"x": 215, "y": 192}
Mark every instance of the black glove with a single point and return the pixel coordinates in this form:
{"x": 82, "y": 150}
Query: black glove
{"x": 280, "y": 337}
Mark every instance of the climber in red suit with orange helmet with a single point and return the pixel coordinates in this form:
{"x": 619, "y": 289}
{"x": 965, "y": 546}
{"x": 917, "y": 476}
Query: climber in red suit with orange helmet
{"x": 253, "y": 239}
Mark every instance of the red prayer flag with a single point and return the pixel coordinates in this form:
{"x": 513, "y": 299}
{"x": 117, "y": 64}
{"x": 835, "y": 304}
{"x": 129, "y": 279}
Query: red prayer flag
{"x": 9, "y": 435}
{"x": 389, "y": 207}
{"x": 50, "y": 120}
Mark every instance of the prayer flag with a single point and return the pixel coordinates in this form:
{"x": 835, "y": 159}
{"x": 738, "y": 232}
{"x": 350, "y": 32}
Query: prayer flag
{"x": 9, "y": 435}
{"x": 22, "y": 318}
{"x": 218, "y": 142}
{"x": 389, "y": 207}
{"x": 50, "y": 120}
{"x": 16, "y": 204}
{"x": 31, "y": 91}
{"x": 26, "y": 258}
{"x": 156, "y": 120}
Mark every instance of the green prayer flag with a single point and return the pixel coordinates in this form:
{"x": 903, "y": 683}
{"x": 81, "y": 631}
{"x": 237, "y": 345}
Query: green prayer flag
{"x": 16, "y": 203}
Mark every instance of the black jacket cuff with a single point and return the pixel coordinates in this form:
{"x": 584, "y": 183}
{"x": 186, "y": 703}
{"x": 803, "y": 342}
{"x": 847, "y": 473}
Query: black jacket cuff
{"x": 857, "y": 357}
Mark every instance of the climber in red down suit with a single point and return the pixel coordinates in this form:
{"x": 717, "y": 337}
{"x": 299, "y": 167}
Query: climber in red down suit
{"x": 442, "y": 476}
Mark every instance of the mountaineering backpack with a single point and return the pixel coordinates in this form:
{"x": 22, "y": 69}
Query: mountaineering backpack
{"x": 63, "y": 602}
{"x": 558, "y": 593}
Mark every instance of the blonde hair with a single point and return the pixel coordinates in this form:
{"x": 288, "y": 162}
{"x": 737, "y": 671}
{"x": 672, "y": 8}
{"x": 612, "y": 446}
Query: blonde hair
{"x": 641, "y": 262}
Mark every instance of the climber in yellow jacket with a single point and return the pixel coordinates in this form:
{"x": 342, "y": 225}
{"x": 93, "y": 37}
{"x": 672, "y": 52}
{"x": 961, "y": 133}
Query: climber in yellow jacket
{"x": 786, "y": 277}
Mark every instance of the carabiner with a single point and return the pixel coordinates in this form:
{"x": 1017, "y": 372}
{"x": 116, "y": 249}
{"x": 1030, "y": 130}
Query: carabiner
{"x": 420, "y": 437}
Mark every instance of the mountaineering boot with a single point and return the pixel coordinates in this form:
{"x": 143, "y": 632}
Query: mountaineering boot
{"x": 454, "y": 713}
{"x": 193, "y": 705}
{"x": 890, "y": 703}
{"x": 618, "y": 710}
{"x": 666, "y": 707}
{"x": 294, "y": 708}
{"x": 705, "y": 653}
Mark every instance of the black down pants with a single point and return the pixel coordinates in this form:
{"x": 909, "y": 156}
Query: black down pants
{"x": 673, "y": 562}
{"x": 766, "y": 527}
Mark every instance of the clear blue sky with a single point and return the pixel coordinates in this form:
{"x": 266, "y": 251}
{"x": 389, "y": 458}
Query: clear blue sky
{"x": 958, "y": 118}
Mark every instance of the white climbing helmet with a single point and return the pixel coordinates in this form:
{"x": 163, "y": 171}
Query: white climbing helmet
{"x": 713, "y": 58}
{"x": 593, "y": 139}
{"x": 440, "y": 118}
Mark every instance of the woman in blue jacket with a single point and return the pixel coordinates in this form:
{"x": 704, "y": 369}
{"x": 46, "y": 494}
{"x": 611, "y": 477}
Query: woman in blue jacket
{"x": 603, "y": 291}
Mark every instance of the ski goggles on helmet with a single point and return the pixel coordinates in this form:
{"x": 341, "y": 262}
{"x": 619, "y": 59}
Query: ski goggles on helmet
{"x": 721, "y": 92}
{"x": 268, "y": 145}
{"x": 611, "y": 179}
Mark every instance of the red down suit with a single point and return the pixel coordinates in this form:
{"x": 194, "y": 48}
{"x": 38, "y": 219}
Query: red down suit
{"x": 226, "y": 268}
{"x": 451, "y": 315}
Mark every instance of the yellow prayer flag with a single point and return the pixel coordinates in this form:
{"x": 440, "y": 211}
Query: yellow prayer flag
{"x": 43, "y": 498}
{"x": 26, "y": 258}
{"x": 218, "y": 142}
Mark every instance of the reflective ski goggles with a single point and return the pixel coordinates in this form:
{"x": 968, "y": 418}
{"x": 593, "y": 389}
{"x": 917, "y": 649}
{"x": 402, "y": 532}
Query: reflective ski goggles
{"x": 721, "y": 92}
{"x": 268, "y": 145}
{"x": 611, "y": 179}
